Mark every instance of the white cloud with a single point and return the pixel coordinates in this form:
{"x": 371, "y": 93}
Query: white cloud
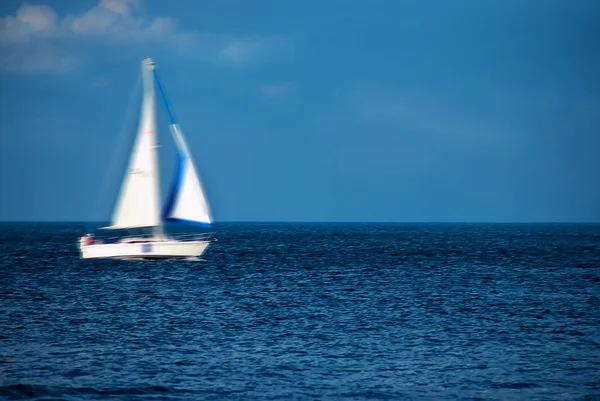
{"x": 408, "y": 131}
{"x": 35, "y": 39}
{"x": 275, "y": 91}
{"x": 242, "y": 52}
{"x": 120, "y": 20}
{"x": 101, "y": 82}
{"x": 28, "y": 22}
{"x": 420, "y": 116}
{"x": 122, "y": 7}
{"x": 104, "y": 21}
{"x": 161, "y": 26}
{"x": 110, "y": 18}
{"x": 38, "y": 59}
{"x": 431, "y": 120}
{"x": 37, "y": 29}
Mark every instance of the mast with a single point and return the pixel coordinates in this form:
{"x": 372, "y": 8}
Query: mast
{"x": 148, "y": 67}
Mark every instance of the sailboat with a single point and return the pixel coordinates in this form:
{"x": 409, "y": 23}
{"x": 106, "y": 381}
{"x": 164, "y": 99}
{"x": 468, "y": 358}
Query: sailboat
{"x": 139, "y": 206}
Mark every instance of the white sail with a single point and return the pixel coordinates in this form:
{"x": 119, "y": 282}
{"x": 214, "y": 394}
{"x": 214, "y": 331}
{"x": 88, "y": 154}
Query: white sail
{"x": 187, "y": 202}
{"x": 139, "y": 200}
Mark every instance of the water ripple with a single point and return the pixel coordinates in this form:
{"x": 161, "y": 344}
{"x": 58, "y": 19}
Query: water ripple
{"x": 307, "y": 311}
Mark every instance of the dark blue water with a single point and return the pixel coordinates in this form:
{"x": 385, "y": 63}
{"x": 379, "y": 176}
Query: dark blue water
{"x": 307, "y": 311}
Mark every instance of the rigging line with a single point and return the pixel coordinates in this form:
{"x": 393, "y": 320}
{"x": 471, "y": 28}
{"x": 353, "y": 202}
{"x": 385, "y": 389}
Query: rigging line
{"x": 121, "y": 146}
{"x": 163, "y": 95}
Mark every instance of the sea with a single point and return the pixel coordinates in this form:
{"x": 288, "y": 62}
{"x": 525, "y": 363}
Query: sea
{"x": 307, "y": 311}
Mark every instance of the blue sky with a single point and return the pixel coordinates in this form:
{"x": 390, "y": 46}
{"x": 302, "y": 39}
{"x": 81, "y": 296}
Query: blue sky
{"x": 332, "y": 110}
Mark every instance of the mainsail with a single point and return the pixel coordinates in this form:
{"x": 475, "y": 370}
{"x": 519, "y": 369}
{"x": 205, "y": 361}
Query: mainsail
{"x": 138, "y": 204}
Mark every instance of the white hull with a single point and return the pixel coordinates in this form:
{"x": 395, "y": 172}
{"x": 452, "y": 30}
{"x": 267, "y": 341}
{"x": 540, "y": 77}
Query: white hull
{"x": 168, "y": 249}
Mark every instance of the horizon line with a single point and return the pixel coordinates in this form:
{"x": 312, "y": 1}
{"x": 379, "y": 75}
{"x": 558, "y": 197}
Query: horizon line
{"x": 322, "y": 222}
